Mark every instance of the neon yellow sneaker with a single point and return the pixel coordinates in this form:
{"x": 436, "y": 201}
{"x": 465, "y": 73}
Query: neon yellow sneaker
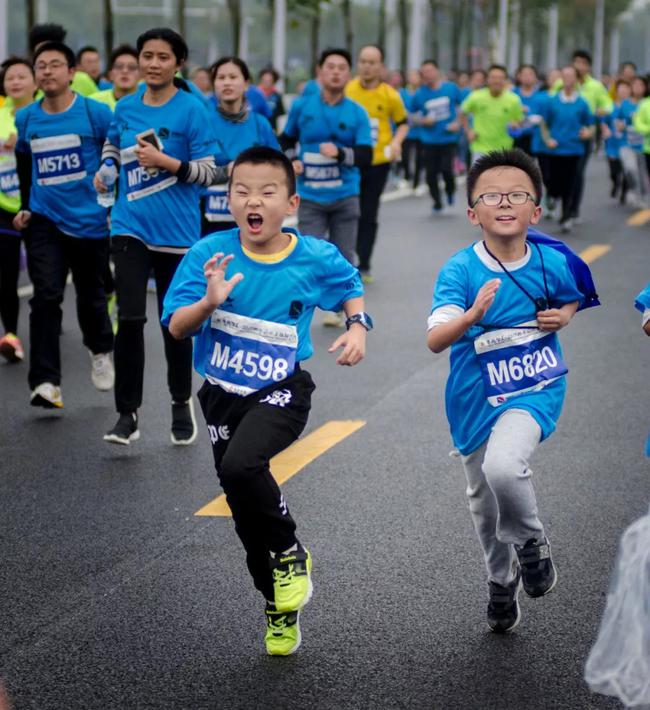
{"x": 282, "y": 632}
{"x": 292, "y": 587}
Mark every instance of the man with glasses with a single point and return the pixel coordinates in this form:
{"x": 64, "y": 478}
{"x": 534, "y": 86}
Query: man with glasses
{"x": 58, "y": 151}
{"x": 123, "y": 73}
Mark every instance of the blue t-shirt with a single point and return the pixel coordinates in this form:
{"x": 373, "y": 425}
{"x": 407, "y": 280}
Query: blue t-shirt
{"x": 233, "y": 138}
{"x": 564, "y": 120}
{"x": 538, "y": 103}
{"x": 312, "y": 122}
{"x": 158, "y": 208}
{"x": 66, "y": 152}
{"x": 642, "y": 301}
{"x": 530, "y": 104}
{"x": 617, "y": 138}
{"x": 633, "y": 139}
{"x": 268, "y": 314}
{"x": 471, "y": 417}
{"x": 441, "y": 104}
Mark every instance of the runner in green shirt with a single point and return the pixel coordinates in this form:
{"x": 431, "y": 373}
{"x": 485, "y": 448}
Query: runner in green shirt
{"x": 494, "y": 109}
{"x": 123, "y": 73}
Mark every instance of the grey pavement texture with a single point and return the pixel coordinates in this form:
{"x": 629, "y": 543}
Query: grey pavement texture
{"x": 114, "y": 595}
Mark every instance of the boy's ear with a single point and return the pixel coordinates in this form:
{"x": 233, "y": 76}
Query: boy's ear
{"x": 537, "y": 214}
{"x": 473, "y": 217}
{"x": 294, "y": 201}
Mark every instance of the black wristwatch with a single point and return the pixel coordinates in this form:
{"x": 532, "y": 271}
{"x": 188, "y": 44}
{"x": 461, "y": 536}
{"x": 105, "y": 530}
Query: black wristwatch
{"x": 363, "y": 318}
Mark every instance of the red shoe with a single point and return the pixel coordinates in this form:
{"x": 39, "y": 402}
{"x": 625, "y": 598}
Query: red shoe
{"x": 11, "y": 348}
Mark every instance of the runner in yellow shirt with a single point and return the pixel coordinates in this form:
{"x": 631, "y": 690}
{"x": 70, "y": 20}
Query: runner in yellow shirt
{"x": 388, "y": 122}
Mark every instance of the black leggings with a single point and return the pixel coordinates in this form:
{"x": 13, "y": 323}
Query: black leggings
{"x": 133, "y": 264}
{"x": 246, "y": 432}
{"x": 9, "y": 271}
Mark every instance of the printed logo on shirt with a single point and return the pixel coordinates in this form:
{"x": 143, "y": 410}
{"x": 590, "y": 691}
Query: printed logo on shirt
{"x": 164, "y": 132}
{"x": 295, "y": 309}
{"x": 283, "y": 505}
{"x": 217, "y": 434}
{"x": 278, "y": 398}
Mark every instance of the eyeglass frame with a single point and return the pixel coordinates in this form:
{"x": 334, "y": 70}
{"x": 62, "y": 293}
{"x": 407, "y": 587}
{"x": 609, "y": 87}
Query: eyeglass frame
{"x": 505, "y": 194}
{"x": 55, "y": 64}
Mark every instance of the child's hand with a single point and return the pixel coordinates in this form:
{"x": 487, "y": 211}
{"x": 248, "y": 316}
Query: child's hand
{"x": 219, "y": 288}
{"x": 552, "y": 319}
{"x": 484, "y": 299}
{"x": 353, "y": 343}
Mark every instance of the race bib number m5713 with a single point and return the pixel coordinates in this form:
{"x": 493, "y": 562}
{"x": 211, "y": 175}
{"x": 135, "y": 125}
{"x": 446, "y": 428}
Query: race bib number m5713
{"x": 248, "y": 354}
{"x": 515, "y": 361}
{"x": 58, "y": 159}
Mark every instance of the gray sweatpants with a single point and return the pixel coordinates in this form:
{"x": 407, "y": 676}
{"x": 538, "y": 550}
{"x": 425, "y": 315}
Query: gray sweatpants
{"x": 335, "y": 221}
{"x": 500, "y": 492}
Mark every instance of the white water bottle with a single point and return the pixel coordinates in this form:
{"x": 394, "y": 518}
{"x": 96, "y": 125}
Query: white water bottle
{"x": 108, "y": 173}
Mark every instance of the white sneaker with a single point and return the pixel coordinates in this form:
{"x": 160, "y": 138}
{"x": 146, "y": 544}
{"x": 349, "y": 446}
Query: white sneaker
{"x": 103, "y": 372}
{"x": 47, "y": 395}
{"x": 334, "y": 320}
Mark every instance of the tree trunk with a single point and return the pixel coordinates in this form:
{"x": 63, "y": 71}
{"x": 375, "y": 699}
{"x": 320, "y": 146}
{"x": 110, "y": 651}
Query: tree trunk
{"x": 381, "y": 29}
{"x": 234, "y": 7}
{"x": 180, "y": 21}
{"x": 30, "y": 12}
{"x": 471, "y": 27}
{"x": 458, "y": 17}
{"x": 404, "y": 35}
{"x": 109, "y": 29}
{"x": 434, "y": 5}
{"x": 346, "y": 7}
{"x": 315, "y": 32}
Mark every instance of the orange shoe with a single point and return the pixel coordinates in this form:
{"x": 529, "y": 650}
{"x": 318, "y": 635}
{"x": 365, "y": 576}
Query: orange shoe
{"x": 11, "y": 348}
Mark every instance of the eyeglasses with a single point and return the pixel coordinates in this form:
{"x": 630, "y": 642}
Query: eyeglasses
{"x": 125, "y": 67}
{"x": 494, "y": 199}
{"x": 55, "y": 64}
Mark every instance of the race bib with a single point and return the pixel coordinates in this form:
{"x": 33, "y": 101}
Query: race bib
{"x": 634, "y": 138}
{"x": 58, "y": 159}
{"x": 374, "y": 130}
{"x": 438, "y": 109}
{"x": 9, "y": 177}
{"x": 248, "y": 354}
{"x": 321, "y": 171}
{"x": 216, "y": 204}
{"x": 141, "y": 182}
{"x": 514, "y": 361}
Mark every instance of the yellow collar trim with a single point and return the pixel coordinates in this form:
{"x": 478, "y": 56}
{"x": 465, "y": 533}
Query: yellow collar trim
{"x": 273, "y": 258}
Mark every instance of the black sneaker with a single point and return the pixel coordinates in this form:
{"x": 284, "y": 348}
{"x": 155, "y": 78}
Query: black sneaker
{"x": 125, "y": 431}
{"x": 503, "y": 612}
{"x": 537, "y": 569}
{"x": 184, "y": 430}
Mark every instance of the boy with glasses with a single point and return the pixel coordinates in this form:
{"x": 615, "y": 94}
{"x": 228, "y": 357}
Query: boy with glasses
{"x": 498, "y": 304}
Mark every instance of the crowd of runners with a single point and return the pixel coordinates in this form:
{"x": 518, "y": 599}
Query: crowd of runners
{"x": 139, "y": 174}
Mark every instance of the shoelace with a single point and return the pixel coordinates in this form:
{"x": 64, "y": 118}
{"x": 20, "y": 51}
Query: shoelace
{"x": 284, "y": 577}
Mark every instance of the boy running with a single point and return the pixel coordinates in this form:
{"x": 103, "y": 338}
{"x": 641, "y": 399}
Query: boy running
{"x": 498, "y": 303}
{"x": 252, "y": 332}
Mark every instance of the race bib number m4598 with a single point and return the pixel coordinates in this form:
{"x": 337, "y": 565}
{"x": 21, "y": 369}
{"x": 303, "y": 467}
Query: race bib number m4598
{"x": 248, "y": 354}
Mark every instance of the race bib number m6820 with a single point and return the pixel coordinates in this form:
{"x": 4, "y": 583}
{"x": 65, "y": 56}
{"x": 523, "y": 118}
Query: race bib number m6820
{"x": 515, "y": 361}
{"x": 248, "y": 354}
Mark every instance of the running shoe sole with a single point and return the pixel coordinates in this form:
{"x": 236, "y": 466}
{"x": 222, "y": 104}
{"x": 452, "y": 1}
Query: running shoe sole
{"x": 115, "y": 439}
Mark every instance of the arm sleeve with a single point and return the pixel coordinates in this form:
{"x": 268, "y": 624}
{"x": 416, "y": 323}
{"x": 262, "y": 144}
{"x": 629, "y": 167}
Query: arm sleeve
{"x": 339, "y": 281}
{"x": 111, "y": 151}
{"x": 24, "y": 170}
{"x": 359, "y": 156}
{"x": 201, "y": 171}
{"x": 23, "y": 161}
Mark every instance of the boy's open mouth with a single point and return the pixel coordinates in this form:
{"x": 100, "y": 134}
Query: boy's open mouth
{"x": 505, "y": 218}
{"x": 255, "y": 222}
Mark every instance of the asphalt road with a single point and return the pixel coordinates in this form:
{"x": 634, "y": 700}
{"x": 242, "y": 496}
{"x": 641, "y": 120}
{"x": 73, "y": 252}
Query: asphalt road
{"x": 113, "y": 594}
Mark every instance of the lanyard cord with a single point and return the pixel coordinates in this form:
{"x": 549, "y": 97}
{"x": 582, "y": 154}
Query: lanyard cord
{"x": 516, "y": 283}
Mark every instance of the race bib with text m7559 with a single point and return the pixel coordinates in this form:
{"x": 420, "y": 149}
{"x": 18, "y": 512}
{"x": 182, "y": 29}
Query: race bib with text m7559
{"x": 515, "y": 361}
{"x": 216, "y": 204}
{"x": 141, "y": 182}
{"x": 248, "y": 354}
{"x": 321, "y": 171}
{"x": 58, "y": 159}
